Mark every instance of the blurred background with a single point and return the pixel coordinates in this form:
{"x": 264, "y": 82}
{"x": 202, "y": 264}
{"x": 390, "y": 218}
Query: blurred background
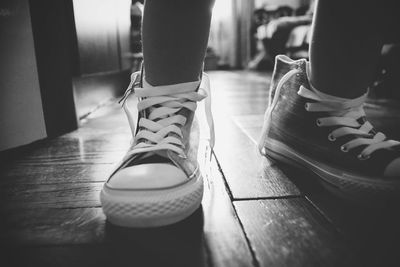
{"x": 63, "y": 59}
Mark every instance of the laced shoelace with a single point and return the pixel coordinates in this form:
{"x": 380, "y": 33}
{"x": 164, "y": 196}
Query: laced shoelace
{"x": 161, "y": 129}
{"x": 347, "y": 115}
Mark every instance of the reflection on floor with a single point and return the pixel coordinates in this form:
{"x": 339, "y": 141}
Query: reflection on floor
{"x": 255, "y": 212}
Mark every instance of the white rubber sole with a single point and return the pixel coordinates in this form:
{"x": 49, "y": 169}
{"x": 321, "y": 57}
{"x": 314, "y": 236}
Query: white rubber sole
{"x": 335, "y": 180}
{"x": 151, "y": 208}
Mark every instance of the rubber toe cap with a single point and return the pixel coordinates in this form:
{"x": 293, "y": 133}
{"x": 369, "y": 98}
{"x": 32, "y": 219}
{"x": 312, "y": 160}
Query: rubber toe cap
{"x": 147, "y": 176}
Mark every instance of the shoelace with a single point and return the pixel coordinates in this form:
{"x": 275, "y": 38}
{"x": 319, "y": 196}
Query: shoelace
{"x": 161, "y": 130}
{"x": 347, "y": 114}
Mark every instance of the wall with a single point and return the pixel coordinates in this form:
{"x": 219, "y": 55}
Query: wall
{"x": 57, "y": 60}
{"x": 223, "y": 33}
{"x": 21, "y": 116}
{"x": 102, "y": 30}
{"x": 230, "y": 31}
{"x": 96, "y": 29}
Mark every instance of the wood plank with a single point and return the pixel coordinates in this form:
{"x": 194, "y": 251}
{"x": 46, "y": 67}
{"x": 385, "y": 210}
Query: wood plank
{"x": 51, "y": 226}
{"x": 290, "y": 232}
{"x": 118, "y": 254}
{"x": 31, "y": 223}
{"x": 224, "y": 236}
{"x": 70, "y": 195}
{"x": 248, "y": 173}
{"x": 239, "y": 92}
{"x": 251, "y": 125}
{"x": 103, "y": 149}
{"x": 90, "y": 241}
{"x": 43, "y": 215}
{"x": 61, "y": 256}
{"x": 86, "y": 155}
{"x": 372, "y": 227}
{"x": 55, "y": 173}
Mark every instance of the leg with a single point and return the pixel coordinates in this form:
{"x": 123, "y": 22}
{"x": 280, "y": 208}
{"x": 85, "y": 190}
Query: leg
{"x": 345, "y": 47}
{"x": 175, "y": 36}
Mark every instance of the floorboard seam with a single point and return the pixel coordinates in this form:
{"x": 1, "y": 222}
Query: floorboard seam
{"x": 267, "y": 198}
{"x": 252, "y": 252}
{"x": 227, "y": 188}
{"x": 326, "y": 218}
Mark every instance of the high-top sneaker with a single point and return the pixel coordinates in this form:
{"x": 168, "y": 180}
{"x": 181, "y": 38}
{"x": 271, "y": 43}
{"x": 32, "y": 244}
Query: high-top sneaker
{"x": 159, "y": 181}
{"x": 328, "y": 135}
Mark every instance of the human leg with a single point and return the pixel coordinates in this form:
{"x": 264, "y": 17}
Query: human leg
{"x": 175, "y": 35}
{"x": 345, "y": 46}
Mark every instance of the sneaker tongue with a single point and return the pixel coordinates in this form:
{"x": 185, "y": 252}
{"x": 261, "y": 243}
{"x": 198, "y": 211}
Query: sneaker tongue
{"x": 150, "y": 158}
{"x": 161, "y": 155}
{"x": 177, "y": 88}
{"x": 180, "y": 87}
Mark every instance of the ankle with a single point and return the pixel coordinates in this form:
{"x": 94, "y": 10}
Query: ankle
{"x": 185, "y": 85}
{"x": 340, "y": 93}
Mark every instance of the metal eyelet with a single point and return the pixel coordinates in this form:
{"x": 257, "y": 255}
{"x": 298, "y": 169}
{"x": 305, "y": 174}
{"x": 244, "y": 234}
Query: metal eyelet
{"x": 318, "y": 122}
{"x": 306, "y": 106}
{"x": 331, "y": 138}
{"x": 344, "y": 149}
{"x": 363, "y": 157}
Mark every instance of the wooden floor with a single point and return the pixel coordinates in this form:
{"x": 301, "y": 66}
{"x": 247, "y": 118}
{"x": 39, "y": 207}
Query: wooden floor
{"x": 255, "y": 212}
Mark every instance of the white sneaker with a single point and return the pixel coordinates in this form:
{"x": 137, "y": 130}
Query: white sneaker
{"x": 159, "y": 181}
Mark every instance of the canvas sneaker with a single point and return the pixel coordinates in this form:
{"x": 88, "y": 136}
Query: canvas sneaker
{"x": 328, "y": 135}
{"x": 159, "y": 181}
